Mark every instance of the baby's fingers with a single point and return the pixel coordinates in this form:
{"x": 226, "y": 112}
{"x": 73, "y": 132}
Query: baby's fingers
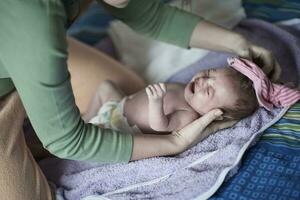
{"x": 158, "y": 90}
{"x": 149, "y": 92}
{"x": 163, "y": 87}
{"x": 152, "y": 92}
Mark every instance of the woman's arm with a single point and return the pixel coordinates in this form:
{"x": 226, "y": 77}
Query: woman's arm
{"x": 172, "y": 25}
{"x": 157, "y": 20}
{"x": 213, "y": 37}
{"x": 34, "y": 52}
{"x": 145, "y": 146}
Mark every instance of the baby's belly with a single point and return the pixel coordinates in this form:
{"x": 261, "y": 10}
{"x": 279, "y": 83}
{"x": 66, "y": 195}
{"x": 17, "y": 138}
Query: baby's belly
{"x": 136, "y": 112}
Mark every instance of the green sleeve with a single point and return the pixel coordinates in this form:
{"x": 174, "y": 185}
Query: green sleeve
{"x": 157, "y": 20}
{"x": 33, "y": 51}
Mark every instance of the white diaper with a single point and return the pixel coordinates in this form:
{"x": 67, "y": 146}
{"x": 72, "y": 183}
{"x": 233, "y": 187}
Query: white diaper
{"x": 111, "y": 115}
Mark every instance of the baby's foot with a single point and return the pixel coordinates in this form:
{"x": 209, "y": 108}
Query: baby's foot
{"x": 109, "y": 91}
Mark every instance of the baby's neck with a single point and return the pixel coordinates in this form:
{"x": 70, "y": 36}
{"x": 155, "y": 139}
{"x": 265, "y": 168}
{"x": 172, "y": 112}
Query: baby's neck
{"x": 179, "y": 98}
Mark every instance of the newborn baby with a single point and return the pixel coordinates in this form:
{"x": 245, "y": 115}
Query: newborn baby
{"x": 167, "y": 107}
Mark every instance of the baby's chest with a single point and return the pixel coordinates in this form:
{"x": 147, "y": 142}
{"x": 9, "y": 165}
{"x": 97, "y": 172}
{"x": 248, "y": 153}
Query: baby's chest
{"x": 172, "y": 103}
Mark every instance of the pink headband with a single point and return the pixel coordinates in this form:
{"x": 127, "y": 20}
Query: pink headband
{"x": 268, "y": 94}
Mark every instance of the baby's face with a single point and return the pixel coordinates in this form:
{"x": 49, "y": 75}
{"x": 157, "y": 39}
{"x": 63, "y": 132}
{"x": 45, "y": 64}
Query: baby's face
{"x": 210, "y": 89}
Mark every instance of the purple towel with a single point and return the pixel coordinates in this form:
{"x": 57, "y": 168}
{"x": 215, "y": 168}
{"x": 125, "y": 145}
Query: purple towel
{"x": 198, "y": 172}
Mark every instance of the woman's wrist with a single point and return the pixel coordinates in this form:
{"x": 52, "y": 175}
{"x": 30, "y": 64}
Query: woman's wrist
{"x": 242, "y": 47}
{"x": 176, "y": 144}
{"x": 213, "y": 37}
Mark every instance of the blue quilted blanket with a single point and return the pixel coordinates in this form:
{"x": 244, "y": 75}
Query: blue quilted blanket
{"x": 271, "y": 169}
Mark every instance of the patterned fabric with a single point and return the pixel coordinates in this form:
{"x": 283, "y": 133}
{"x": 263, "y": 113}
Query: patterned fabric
{"x": 272, "y": 10}
{"x": 268, "y": 94}
{"x": 271, "y": 169}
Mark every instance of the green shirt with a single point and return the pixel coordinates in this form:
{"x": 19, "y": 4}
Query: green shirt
{"x": 33, "y": 59}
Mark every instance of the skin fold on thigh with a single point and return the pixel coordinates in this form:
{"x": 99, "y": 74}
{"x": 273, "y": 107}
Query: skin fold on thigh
{"x": 89, "y": 67}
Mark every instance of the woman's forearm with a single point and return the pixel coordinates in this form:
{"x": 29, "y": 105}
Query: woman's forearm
{"x": 207, "y": 35}
{"x": 213, "y": 37}
{"x": 146, "y": 146}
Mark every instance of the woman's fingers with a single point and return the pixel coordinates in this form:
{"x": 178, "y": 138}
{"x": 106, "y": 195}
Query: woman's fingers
{"x": 275, "y": 74}
{"x": 265, "y": 59}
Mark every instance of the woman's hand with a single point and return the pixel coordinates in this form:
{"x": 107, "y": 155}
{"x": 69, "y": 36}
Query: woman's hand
{"x": 263, "y": 58}
{"x": 199, "y": 129}
{"x": 225, "y": 40}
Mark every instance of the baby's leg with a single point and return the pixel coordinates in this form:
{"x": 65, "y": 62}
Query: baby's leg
{"x": 109, "y": 91}
{"x": 106, "y": 91}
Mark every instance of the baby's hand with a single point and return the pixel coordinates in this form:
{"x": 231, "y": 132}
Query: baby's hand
{"x": 156, "y": 91}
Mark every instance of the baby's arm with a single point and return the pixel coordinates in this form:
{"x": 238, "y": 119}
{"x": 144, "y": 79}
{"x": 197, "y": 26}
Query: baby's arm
{"x": 158, "y": 121}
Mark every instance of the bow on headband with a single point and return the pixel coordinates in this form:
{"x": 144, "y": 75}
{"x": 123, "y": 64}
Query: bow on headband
{"x": 268, "y": 94}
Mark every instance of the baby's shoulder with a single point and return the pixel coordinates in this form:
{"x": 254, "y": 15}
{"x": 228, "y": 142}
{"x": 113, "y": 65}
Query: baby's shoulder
{"x": 188, "y": 115}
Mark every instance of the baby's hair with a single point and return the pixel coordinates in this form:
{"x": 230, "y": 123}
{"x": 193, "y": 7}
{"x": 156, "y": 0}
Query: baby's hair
{"x": 247, "y": 103}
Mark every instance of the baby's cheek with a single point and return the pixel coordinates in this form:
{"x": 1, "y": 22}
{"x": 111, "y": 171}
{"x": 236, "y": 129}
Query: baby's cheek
{"x": 203, "y": 107}
{"x": 210, "y": 105}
